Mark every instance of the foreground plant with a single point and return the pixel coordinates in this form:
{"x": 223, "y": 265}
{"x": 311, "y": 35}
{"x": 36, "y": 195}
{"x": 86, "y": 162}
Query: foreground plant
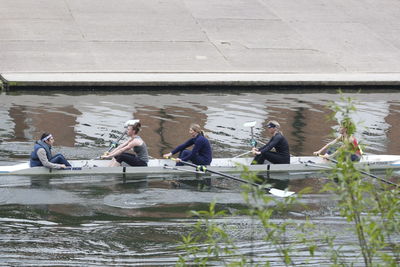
{"x": 372, "y": 207}
{"x": 210, "y": 243}
{"x": 264, "y": 207}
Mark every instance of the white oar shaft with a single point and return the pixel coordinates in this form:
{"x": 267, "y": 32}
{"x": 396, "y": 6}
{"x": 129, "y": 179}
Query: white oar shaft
{"x": 369, "y": 174}
{"x": 238, "y": 156}
{"x": 273, "y": 191}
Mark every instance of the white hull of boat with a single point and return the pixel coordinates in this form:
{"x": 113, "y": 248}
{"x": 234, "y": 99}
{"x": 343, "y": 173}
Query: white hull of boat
{"x": 224, "y": 165}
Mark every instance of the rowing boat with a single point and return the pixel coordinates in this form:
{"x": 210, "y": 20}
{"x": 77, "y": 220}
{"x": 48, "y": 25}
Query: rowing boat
{"x": 225, "y": 165}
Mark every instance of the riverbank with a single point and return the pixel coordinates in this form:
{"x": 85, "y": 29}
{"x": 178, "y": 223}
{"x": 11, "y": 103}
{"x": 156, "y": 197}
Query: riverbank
{"x": 170, "y": 79}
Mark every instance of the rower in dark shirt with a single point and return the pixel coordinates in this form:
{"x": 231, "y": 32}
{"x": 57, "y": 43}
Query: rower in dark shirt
{"x": 281, "y": 155}
{"x": 201, "y": 153}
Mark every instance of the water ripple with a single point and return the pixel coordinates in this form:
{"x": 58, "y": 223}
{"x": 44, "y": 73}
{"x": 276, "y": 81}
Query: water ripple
{"x": 114, "y": 221}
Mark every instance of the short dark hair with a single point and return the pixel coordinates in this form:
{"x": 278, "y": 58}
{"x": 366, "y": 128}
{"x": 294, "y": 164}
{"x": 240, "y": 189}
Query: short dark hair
{"x": 44, "y": 135}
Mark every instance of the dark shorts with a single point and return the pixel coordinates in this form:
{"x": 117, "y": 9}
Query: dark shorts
{"x": 353, "y": 157}
{"x": 272, "y": 157}
{"x": 130, "y": 159}
{"x": 196, "y": 159}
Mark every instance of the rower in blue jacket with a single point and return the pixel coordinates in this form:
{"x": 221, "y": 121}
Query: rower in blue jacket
{"x": 42, "y": 156}
{"x": 201, "y": 154}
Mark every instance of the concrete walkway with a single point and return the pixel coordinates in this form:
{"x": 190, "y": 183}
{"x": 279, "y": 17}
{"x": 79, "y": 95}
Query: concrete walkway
{"x": 149, "y": 42}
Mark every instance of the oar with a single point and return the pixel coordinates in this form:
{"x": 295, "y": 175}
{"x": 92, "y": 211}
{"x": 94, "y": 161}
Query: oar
{"x": 312, "y": 164}
{"x": 273, "y": 191}
{"x": 112, "y": 146}
{"x": 247, "y": 152}
{"x": 253, "y": 141}
{"x": 251, "y": 124}
{"x": 182, "y": 170}
{"x": 127, "y": 123}
{"x": 368, "y": 174}
{"x": 115, "y": 143}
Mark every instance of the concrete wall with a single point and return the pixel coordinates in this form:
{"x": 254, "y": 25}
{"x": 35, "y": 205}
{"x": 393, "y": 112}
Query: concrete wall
{"x": 273, "y": 36}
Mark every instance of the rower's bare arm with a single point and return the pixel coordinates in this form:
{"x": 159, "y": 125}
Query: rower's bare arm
{"x": 116, "y": 151}
{"x": 113, "y": 153}
{"x": 124, "y": 147}
{"x": 320, "y": 151}
{"x": 132, "y": 144}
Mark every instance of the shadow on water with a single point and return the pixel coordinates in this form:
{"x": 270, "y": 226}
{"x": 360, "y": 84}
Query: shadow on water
{"x": 281, "y": 184}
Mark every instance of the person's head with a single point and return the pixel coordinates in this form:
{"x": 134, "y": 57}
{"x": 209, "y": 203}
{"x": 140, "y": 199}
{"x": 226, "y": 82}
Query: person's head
{"x": 273, "y": 127}
{"x": 347, "y": 127}
{"x": 342, "y": 130}
{"x": 47, "y": 138}
{"x": 133, "y": 129}
{"x": 195, "y": 130}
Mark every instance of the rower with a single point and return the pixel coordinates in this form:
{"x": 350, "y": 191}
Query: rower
{"x": 123, "y": 152}
{"x": 346, "y": 130}
{"x": 42, "y": 156}
{"x": 281, "y": 155}
{"x": 201, "y": 154}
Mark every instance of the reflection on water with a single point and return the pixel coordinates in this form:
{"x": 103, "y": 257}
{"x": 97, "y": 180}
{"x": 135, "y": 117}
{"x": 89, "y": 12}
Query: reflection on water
{"x": 85, "y": 124}
{"x": 120, "y": 221}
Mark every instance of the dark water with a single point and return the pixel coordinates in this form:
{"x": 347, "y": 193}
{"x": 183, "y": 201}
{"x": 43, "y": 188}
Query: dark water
{"x": 117, "y": 221}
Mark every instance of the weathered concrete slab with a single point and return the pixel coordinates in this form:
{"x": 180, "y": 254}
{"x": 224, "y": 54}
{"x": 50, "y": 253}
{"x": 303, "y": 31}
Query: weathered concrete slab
{"x": 332, "y": 37}
{"x": 226, "y": 31}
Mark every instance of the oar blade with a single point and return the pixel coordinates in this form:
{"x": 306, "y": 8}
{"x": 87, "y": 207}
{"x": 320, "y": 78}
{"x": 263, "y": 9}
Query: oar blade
{"x": 280, "y": 193}
{"x": 250, "y": 124}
